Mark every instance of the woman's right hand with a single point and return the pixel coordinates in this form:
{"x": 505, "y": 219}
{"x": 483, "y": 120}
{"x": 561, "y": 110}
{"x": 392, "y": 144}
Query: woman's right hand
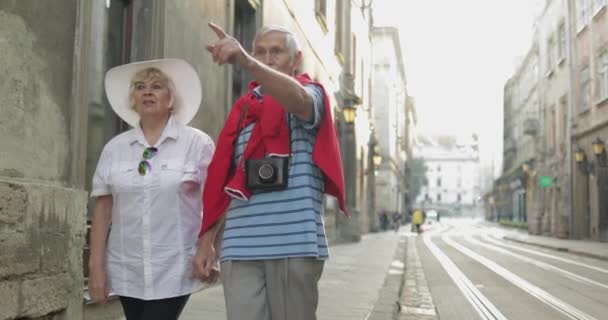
{"x": 98, "y": 289}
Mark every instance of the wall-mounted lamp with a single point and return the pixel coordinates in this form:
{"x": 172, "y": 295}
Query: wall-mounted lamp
{"x": 528, "y": 166}
{"x": 581, "y": 161}
{"x": 579, "y": 155}
{"x": 377, "y": 159}
{"x": 598, "y": 147}
{"x": 350, "y": 113}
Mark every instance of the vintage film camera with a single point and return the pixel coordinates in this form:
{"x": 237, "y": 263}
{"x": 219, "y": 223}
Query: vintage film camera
{"x": 267, "y": 174}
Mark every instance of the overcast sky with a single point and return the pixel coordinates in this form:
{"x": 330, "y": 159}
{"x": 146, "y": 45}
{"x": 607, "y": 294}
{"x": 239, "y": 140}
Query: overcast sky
{"x": 458, "y": 55}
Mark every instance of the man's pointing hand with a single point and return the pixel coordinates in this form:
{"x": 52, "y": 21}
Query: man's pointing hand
{"x": 226, "y": 49}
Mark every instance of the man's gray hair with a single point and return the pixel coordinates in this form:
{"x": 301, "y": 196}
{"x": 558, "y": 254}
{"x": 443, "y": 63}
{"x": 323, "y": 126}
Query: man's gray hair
{"x": 291, "y": 42}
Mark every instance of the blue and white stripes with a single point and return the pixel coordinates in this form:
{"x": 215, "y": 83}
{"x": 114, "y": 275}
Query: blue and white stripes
{"x": 286, "y": 223}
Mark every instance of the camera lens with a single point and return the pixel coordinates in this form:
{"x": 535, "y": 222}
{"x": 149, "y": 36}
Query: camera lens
{"x": 266, "y": 172}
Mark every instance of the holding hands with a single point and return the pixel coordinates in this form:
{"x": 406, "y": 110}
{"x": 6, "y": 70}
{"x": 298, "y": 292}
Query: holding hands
{"x": 205, "y": 265}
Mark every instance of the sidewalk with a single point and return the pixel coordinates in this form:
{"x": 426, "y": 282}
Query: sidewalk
{"x": 593, "y": 249}
{"x": 349, "y": 288}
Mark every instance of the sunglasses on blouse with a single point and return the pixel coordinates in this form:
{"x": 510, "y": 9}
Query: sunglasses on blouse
{"x": 144, "y": 166}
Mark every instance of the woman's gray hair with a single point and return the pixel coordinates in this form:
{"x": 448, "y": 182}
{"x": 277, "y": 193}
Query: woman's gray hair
{"x": 291, "y": 42}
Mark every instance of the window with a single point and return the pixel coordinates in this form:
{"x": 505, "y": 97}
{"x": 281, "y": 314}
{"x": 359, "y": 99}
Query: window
{"x": 564, "y": 122}
{"x": 598, "y": 4}
{"x": 584, "y": 8}
{"x": 585, "y": 94}
{"x": 550, "y": 54}
{"x": 561, "y": 41}
{"x": 244, "y": 31}
{"x": 338, "y": 48}
{"x": 529, "y": 78}
{"x": 551, "y": 127}
{"x": 353, "y": 54}
{"x": 439, "y": 197}
{"x": 534, "y": 70}
{"x": 459, "y": 197}
{"x": 321, "y": 14}
{"x": 439, "y": 168}
{"x": 438, "y": 182}
{"x": 603, "y": 75}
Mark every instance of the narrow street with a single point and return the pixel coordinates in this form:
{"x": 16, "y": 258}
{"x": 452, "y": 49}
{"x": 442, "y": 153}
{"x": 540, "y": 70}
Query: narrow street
{"x": 474, "y": 273}
{"x": 349, "y": 288}
{"x": 458, "y": 268}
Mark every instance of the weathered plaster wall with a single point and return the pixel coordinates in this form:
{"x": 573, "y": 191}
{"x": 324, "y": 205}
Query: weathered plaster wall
{"x": 41, "y": 220}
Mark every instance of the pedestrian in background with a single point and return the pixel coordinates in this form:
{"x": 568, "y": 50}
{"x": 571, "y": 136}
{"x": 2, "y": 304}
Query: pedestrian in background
{"x": 276, "y": 156}
{"x": 148, "y": 191}
{"x": 417, "y": 219}
{"x": 384, "y": 222}
{"x": 396, "y": 221}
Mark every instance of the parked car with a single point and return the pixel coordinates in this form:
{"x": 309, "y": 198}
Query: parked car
{"x": 432, "y": 216}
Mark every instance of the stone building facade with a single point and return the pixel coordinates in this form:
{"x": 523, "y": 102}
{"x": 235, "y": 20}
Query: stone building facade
{"x": 572, "y": 90}
{"x": 521, "y": 137}
{"x": 452, "y": 174}
{"x": 589, "y": 118}
{"x": 551, "y": 208}
{"x": 390, "y": 106}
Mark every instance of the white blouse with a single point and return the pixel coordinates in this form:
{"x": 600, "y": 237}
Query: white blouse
{"x": 156, "y": 218}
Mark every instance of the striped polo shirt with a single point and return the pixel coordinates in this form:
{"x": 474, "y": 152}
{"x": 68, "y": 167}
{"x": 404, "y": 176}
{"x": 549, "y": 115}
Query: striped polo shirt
{"x": 287, "y": 223}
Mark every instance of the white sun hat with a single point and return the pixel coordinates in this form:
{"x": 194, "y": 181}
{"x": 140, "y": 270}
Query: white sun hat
{"x": 188, "y": 92}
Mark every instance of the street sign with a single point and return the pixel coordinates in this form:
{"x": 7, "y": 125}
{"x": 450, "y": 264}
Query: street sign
{"x": 546, "y": 181}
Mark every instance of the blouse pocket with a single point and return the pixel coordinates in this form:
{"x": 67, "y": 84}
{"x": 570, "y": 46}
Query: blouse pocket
{"x": 124, "y": 176}
{"x": 191, "y": 174}
{"x": 174, "y": 174}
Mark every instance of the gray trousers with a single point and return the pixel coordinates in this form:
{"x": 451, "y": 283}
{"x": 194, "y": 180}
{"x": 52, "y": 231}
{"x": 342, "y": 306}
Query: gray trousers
{"x": 281, "y": 289}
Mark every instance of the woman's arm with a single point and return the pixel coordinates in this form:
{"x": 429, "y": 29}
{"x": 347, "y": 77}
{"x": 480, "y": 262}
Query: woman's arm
{"x": 102, "y": 215}
{"x": 204, "y": 264}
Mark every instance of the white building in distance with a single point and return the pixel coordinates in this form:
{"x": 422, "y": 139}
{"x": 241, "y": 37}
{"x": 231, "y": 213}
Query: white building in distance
{"x": 452, "y": 174}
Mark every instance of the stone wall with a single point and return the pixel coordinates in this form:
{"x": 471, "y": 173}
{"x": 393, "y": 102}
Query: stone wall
{"x": 41, "y": 236}
{"x": 35, "y": 79}
{"x": 42, "y": 220}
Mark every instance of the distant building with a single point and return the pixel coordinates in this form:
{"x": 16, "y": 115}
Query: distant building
{"x": 452, "y": 176}
{"x": 555, "y": 121}
{"x": 391, "y": 114}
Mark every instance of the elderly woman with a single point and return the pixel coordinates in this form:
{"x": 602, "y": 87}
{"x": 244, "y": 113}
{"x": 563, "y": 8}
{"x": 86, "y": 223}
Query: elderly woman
{"x": 148, "y": 185}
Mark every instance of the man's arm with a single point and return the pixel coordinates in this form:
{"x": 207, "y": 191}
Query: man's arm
{"x": 284, "y": 88}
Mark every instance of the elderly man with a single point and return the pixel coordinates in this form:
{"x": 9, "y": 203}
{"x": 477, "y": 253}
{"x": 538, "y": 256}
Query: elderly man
{"x": 276, "y": 157}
